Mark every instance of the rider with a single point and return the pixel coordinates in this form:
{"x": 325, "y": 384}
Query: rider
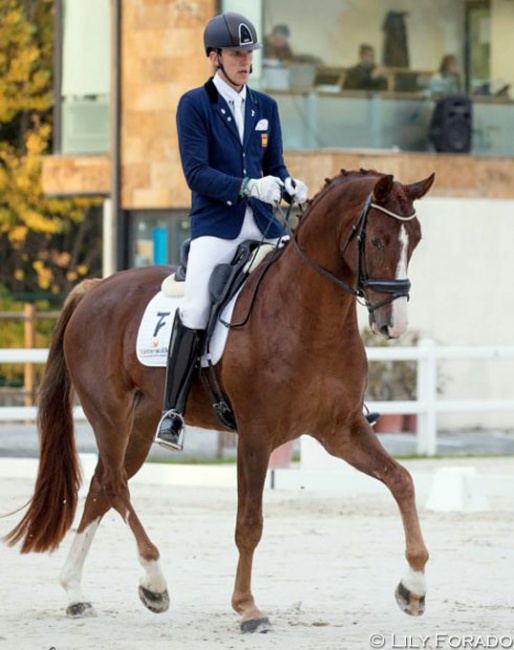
{"x": 230, "y": 144}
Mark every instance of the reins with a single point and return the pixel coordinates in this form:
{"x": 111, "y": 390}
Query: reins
{"x": 314, "y": 265}
{"x": 396, "y": 288}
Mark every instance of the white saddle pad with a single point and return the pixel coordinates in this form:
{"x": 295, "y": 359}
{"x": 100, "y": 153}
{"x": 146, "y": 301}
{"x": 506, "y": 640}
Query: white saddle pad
{"x": 155, "y": 330}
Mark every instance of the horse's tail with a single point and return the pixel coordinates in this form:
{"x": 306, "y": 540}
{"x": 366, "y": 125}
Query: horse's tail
{"x": 52, "y": 507}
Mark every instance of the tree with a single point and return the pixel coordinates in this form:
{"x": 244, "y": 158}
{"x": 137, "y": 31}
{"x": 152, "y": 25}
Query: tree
{"x": 46, "y": 243}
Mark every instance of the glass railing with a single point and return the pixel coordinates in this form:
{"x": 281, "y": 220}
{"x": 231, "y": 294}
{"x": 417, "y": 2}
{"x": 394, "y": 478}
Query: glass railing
{"x": 399, "y": 121}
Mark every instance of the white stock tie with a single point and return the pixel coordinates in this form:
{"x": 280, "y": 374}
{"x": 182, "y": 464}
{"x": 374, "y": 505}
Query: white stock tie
{"x": 238, "y": 111}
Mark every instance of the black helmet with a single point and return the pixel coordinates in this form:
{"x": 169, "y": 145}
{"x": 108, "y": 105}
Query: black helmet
{"x": 230, "y": 31}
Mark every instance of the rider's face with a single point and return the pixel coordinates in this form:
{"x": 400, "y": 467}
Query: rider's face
{"x": 237, "y": 64}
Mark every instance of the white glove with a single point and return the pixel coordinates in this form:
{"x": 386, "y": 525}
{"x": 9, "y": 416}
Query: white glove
{"x": 296, "y": 189}
{"x": 267, "y": 189}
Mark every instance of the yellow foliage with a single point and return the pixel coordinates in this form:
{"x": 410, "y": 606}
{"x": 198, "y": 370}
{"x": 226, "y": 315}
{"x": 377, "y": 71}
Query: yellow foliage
{"x": 18, "y": 234}
{"x": 37, "y": 228}
{"x": 25, "y": 60}
{"x": 62, "y": 259}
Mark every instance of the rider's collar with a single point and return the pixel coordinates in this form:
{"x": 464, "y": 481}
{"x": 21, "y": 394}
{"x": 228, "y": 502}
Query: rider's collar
{"x": 226, "y": 91}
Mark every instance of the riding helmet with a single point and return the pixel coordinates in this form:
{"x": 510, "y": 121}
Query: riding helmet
{"x": 230, "y": 31}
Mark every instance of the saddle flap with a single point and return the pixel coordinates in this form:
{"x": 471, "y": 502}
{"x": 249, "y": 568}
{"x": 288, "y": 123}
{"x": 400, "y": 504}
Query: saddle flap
{"x": 226, "y": 278}
{"x": 218, "y": 281}
{"x": 180, "y": 273}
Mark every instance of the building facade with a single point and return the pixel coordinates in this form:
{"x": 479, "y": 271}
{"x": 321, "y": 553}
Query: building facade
{"x": 122, "y": 65}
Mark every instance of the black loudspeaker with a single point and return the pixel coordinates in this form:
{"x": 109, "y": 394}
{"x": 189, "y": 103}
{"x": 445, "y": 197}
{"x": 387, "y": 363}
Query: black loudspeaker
{"x": 451, "y": 127}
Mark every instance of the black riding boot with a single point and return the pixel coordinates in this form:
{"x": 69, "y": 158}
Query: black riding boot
{"x": 182, "y": 356}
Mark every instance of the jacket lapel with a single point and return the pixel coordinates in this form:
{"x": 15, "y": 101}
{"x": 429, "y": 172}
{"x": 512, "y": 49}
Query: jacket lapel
{"x": 224, "y": 112}
{"x": 227, "y": 117}
{"x": 251, "y": 115}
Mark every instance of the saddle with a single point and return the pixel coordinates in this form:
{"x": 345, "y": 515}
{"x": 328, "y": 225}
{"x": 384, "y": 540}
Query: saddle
{"x": 224, "y": 283}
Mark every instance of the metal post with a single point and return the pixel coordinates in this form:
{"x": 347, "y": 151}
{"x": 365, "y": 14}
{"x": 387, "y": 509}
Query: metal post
{"x": 375, "y": 120}
{"x": 118, "y": 214}
{"x": 427, "y": 395}
{"x": 109, "y": 240}
{"x": 30, "y": 342}
{"x": 312, "y": 106}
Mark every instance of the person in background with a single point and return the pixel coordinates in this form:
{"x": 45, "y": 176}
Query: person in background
{"x": 367, "y": 74}
{"x": 276, "y": 45}
{"x": 448, "y": 79}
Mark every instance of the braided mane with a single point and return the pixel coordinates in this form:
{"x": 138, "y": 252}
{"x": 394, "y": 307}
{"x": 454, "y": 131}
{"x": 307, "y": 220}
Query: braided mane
{"x": 343, "y": 177}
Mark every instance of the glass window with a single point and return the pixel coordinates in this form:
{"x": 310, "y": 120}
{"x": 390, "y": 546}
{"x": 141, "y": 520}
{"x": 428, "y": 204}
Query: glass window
{"x": 364, "y": 75}
{"x": 85, "y": 76}
{"x": 157, "y": 236}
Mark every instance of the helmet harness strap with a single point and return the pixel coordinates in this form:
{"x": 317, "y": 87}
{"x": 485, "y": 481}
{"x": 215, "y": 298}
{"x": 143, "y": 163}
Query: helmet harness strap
{"x": 221, "y": 67}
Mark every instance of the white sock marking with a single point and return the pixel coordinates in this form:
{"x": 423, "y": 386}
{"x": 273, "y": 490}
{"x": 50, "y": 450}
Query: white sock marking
{"x": 71, "y": 574}
{"x": 154, "y": 579}
{"x": 415, "y": 582}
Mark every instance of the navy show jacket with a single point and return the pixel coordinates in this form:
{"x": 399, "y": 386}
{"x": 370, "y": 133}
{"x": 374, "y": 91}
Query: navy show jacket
{"x": 215, "y": 162}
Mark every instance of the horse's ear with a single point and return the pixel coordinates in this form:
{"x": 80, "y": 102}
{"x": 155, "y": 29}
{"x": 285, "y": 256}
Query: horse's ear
{"x": 419, "y": 189}
{"x": 383, "y": 187}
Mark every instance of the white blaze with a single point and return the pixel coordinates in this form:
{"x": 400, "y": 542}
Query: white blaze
{"x": 399, "y": 311}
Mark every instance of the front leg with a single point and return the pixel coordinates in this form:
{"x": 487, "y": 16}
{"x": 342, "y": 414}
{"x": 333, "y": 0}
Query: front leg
{"x": 252, "y": 464}
{"x": 360, "y": 447}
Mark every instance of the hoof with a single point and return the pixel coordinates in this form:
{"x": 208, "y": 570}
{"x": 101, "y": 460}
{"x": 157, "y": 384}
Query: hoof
{"x": 80, "y": 610}
{"x": 259, "y": 625}
{"x": 155, "y": 602}
{"x": 408, "y": 602}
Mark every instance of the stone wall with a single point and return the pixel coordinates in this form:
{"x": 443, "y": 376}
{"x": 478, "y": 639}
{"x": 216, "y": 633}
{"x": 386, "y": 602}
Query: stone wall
{"x": 163, "y": 56}
{"x": 456, "y": 175}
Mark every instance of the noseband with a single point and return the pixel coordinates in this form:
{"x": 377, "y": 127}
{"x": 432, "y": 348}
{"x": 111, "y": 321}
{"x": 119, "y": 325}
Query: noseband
{"x": 393, "y": 289}
{"x": 398, "y": 288}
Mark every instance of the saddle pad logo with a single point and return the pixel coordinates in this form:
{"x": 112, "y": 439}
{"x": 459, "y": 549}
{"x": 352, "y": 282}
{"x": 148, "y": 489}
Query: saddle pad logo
{"x": 156, "y": 335}
{"x": 155, "y": 331}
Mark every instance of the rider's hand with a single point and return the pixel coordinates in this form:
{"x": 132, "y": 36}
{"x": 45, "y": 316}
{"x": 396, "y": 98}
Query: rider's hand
{"x": 296, "y": 189}
{"x": 267, "y": 189}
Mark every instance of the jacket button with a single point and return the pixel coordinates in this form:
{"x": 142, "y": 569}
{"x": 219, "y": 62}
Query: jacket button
{"x": 229, "y": 202}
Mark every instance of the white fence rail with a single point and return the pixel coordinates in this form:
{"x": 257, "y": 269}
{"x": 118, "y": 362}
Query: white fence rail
{"x": 427, "y": 406}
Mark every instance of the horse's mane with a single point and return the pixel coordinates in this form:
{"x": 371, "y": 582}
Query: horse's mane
{"x": 344, "y": 176}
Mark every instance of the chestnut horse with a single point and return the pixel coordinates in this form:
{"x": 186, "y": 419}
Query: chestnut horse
{"x": 297, "y": 366}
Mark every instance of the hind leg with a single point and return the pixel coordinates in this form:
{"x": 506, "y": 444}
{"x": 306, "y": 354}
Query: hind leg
{"x": 96, "y": 506}
{"x": 362, "y": 449}
{"x": 108, "y": 489}
{"x": 153, "y": 590}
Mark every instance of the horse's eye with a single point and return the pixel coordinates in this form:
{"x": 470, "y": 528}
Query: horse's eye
{"x": 376, "y": 243}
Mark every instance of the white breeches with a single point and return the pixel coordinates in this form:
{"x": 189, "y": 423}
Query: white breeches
{"x": 205, "y": 253}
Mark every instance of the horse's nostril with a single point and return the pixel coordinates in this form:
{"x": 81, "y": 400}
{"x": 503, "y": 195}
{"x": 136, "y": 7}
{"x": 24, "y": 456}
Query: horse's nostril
{"x": 384, "y": 330}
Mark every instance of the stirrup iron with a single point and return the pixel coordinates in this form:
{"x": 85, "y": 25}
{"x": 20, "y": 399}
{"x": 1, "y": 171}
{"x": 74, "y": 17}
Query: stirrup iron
{"x": 172, "y": 436}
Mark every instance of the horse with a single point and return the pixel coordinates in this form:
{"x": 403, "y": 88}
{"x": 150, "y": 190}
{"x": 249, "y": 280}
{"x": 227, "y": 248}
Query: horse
{"x": 298, "y": 366}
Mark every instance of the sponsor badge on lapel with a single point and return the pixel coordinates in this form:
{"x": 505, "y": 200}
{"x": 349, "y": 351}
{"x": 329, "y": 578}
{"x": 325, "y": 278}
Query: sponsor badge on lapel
{"x": 264, "y": 139}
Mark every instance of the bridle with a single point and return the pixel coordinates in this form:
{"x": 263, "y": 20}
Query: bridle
{"x": 397, "y": 288}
